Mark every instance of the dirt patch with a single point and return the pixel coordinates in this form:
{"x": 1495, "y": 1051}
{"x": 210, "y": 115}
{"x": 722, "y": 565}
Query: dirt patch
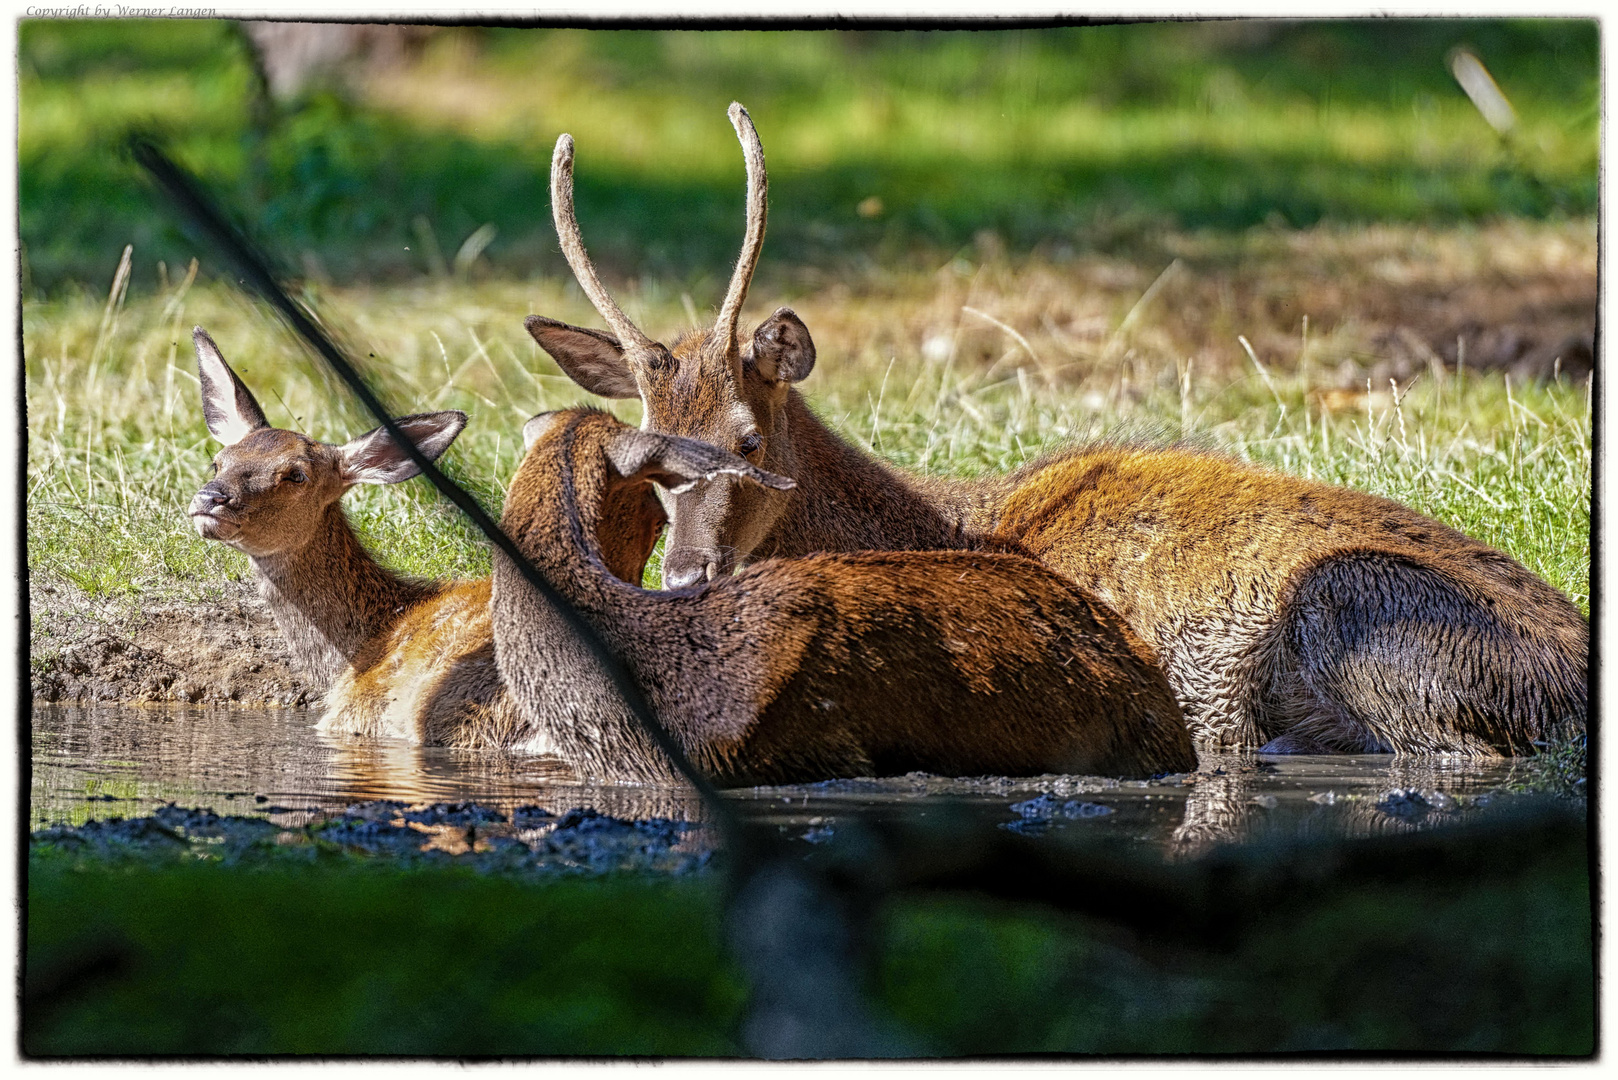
{"x": 219, "y": 649}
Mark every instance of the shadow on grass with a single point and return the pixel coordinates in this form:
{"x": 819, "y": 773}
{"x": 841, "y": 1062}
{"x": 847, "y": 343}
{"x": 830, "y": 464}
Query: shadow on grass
{"x": 348, "y": 184}
{"x": 354, "y": 207}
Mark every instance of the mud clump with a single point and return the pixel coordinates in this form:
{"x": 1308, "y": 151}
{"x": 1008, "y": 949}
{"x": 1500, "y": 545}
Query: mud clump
{"x": 219, "y": 650}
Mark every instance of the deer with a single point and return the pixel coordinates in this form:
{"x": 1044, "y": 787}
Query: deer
{"x": 396, "y": 657}
{"x": 1288, "y": 615}
{"x": 823, "y": 666}
{"x": 422, "y": 661}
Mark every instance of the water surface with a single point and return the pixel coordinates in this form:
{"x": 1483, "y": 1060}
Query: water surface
{"x": 99, "y": 762}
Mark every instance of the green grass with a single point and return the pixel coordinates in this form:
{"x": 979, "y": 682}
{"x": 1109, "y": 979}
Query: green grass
{"x": 117, "y": 447}
{"x": 1051, "y": 139}
{"x": 1069, "y": 151}
{"x": 281, "y": 955}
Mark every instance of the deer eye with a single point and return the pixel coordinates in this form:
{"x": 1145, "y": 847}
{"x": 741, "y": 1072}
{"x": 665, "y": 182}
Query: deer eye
{"x": 297, "y": 476}
{"x": 750, "y": 444}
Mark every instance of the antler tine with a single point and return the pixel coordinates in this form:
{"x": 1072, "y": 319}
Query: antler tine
{"x": 567, "y": 231}
{"x": 757, "y": 205}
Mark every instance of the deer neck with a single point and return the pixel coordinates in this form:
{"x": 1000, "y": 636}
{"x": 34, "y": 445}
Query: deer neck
{"x": 330, "y": 597}
{"x": 847, "y": 500}
{"x": 557, "y": 682}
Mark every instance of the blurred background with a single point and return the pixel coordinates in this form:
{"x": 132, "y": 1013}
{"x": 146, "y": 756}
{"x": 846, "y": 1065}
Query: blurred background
{"x": 351, "y": 144}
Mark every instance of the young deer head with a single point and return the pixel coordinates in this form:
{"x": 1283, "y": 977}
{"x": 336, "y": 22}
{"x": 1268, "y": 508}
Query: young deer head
{"x": 272, "y": 488}
{"x": 710, "y": 385}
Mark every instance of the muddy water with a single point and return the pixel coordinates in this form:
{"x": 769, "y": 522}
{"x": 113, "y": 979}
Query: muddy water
{"x": 99, "y": 762}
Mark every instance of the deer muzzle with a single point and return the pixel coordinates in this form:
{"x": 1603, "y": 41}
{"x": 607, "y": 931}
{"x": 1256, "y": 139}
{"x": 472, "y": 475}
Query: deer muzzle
{"x": 209, "y": 513}
{"x": 691, "y": 566}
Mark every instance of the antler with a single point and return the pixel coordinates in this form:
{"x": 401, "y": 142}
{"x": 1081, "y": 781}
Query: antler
{"x": 757, "y": 190}
{"x": 567, "y": 231}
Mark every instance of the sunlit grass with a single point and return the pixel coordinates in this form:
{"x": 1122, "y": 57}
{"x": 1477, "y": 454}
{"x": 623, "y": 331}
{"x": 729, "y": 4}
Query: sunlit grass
{"x": 117, "y": 446}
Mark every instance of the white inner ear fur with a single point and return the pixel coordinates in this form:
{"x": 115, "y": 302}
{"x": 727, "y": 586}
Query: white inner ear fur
{"x": 225, "y": 421}
{"x": 433, "y": 433}
{"x": 374, "y": 458}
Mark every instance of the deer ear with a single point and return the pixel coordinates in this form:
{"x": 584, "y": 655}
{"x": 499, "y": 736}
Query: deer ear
{"x": 591, "y": 358}
{"x": 783, "y": 351}
{"x": 539, "y": 424}
{"x": 227, "y": 407}
{"x": 679, "y": 464}
{"x": 374, "y": 458}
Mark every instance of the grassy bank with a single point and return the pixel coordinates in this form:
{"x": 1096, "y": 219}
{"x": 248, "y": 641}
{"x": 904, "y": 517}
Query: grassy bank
{"x": 1001, "y": 241}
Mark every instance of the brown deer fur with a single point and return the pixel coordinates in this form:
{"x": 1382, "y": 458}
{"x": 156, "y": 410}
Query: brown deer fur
{"x": 833, "y": 665}
{"x": 1285, "y": 613}
{"x": 416, "y": 660}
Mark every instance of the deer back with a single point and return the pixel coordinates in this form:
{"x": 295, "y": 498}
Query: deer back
{"x": 1262, "y": 592}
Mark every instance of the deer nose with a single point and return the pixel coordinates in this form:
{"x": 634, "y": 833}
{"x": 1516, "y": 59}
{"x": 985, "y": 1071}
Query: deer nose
{"x": 210, "y": 496}
{"x": 689, "y": 566}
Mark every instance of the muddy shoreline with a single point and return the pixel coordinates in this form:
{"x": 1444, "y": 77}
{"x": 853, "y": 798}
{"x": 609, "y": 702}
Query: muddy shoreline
{"x": 221, "y": 648}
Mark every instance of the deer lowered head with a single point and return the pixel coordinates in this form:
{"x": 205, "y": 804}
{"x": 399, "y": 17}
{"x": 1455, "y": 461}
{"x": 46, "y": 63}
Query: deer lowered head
{"x": 710, "y": 385}
{"x": 860, "y": 664}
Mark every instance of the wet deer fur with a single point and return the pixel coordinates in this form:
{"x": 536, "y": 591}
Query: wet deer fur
{"x": 1286, "y": 613}
{"x": 395, "y": 656}
{"x": 836, "y": 665}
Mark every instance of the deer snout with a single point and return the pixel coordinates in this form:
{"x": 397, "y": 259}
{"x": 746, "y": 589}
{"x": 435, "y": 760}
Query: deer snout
{"x": 690, "y": 566}
{"x": 205, "y": 509}
{"x": 211, "y": 496}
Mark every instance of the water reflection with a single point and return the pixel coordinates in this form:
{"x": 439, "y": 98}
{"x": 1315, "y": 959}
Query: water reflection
{"x": 373, "y": 769}
{"x": 1254, "y": 797}
{"x": 105, "y": 761}
{"x": 100, "y": 761}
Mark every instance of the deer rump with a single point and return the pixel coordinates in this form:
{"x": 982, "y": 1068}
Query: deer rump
{"x": 839, "y": 665}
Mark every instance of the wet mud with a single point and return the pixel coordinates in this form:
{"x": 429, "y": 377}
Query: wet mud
{"x": 224, "y": 649}
{"x": 529, "y": 840}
